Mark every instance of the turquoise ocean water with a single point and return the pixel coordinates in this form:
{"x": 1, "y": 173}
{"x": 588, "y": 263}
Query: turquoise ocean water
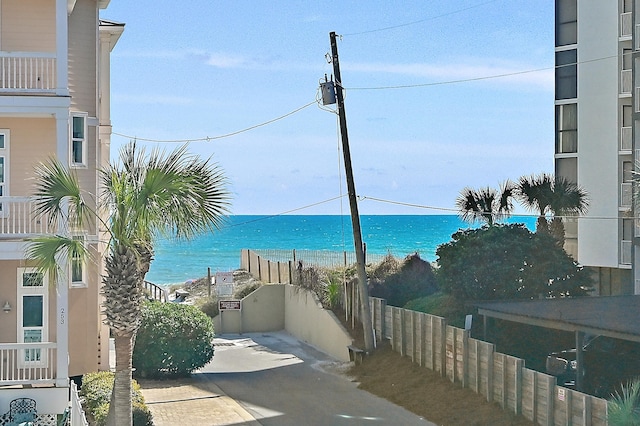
{"x": 176, "y": 262}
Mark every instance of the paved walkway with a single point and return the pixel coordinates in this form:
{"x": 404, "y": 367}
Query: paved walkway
{"x": 269, "y": 379}
{"x": 193, "y": 401}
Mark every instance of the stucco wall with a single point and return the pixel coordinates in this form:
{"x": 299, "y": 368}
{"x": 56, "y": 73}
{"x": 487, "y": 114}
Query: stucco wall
{"x": 277, "y": 307}
{"x": 308, "y": 321}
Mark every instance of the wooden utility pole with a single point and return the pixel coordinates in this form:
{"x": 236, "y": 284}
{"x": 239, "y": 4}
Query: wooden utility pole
{"x": 365, "y": 310}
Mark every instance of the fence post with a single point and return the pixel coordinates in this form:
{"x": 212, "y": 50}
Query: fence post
{"x": 403, "y": 325}
{"x": 465, "y": 359}
{"x": 443, "y": 347}
{"x": 383, "y": 318}
{"x": 490, "y": 352}
{"x": 551, "y": 387}
{"x": 519, "y": 365}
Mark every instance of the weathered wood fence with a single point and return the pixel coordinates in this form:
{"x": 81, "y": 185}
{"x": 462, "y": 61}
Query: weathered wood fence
{"x": 280, "y": 266}
{"x": 476, "y": 365}
{"x": 453, "y": 353}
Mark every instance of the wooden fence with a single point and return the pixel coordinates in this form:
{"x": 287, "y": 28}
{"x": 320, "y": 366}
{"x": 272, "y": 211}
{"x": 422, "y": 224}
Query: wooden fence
{"x": 453, "y": 353}
{"x": 476, "y": 365}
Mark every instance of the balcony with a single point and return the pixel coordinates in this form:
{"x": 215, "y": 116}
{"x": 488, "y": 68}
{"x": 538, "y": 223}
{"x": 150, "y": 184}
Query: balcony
{"x": 27, "y": 363}
{"x": 27, "y": 72}
{"x": 625, "y": 252}
{"x": 626, "y": 82}
{"x": 626, "y": 194}
{"x": 626, "y": 139}
{"x": 626, "y": 25}
{"x": 18, "y": 218}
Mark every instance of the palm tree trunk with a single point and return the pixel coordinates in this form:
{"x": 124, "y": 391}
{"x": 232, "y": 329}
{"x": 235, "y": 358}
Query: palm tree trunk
{"x": 542, "y": 226}
{"x": 556, "y": 229}
{"x": 120, "y": 411}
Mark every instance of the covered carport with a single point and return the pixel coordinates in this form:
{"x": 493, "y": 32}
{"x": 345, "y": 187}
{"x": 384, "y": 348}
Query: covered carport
{"x": 613, "y": 316}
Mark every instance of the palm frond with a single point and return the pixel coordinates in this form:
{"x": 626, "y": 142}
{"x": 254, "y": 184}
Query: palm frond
{"x": 51, "y": 251}
{"x": 58, "y": 194}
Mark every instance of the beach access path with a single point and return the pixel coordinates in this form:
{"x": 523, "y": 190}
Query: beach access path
{"x": 269, "y": 379}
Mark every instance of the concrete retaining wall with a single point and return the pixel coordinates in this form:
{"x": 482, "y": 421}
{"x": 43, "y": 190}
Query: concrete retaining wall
{"x": 276, "y": 307}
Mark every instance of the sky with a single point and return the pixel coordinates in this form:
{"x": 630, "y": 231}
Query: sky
{"x": 439, "y": 96}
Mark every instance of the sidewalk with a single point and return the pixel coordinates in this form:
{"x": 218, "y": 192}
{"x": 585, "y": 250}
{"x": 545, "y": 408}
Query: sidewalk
{"x": 192, "y": 401}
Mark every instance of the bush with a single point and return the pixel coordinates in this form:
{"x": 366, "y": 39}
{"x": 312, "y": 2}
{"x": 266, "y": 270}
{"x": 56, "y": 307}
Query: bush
{"x": 412, "y": 279}
{"x": 244, "y": 291}
{"x": 96, "y": 391}
{"x": 173, "y": 340}
{"x": 441, "y": 305}
{"x": 508, "y": 262}
{"x": 624, "y": 405}
{"x": 210, "y": 306}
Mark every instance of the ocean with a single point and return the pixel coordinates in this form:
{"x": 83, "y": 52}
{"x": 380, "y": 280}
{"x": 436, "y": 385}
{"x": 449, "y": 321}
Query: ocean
{"x": 400, "y": 235}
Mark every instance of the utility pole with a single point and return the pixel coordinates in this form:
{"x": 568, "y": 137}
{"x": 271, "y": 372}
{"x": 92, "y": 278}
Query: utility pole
{"x": 365, "y": 311}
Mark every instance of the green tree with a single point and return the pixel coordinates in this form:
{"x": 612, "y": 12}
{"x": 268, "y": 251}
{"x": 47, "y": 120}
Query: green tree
{"x": 557, "y": 196}
{"x": 143, "y": 196}
{"x": 486, "y": 205}
{"x": 173, "y": 340}
{"x": 507, "y": 262}
{"x": 568, "y": 199}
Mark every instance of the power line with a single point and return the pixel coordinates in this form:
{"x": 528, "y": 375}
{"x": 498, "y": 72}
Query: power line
{"x": 488, "y": 77}
{"x": 431, "y": 18}
{"x": 210, "y": 138}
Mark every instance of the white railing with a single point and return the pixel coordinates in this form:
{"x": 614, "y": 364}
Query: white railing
{"x": 18, "y": 218}
{"x": 27, "y": 363}
{"x": 626, "y": 194}
{"x": 625, "y": 252}
{"x": 626, "y": 82}
{"x": 626, "y": 24}
{"x": 78, "y": 417}
{"x": 626, "y": 139}
{"x": 27, "y": 71}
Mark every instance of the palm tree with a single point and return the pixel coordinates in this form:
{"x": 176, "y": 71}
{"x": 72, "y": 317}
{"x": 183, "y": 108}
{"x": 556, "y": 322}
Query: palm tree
{"x": 568, "y": 199}
{"x": 535, "y": 192}
{"x": 486, "y": 204}
{"x": 558, "y": 196}
{"x": 144, "y": 196}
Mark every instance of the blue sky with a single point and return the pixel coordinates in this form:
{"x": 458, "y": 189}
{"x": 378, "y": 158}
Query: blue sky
{"x": 209, "y": 68}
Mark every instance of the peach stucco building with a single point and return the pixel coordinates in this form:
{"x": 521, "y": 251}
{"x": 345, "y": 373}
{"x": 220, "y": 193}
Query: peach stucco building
{"x": 54, "y": 102}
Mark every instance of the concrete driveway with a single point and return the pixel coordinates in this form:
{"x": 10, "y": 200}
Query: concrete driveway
{"x": 281, "y": 381}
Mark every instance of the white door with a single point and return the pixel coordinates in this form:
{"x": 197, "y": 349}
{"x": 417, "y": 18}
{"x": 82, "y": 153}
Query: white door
{"x": 33, "y": 302}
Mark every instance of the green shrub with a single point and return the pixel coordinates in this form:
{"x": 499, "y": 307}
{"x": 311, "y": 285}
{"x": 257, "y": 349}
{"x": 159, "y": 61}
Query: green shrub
{"x": 624, "y": 405}
{"x": 245, "y": 290}
{"x": 399, "y": 283}
{"x": 210, "y": 306}
{"x": 96, "y": 391}
{"x": 441, "y": 305}
{"x": 173, "y": 340}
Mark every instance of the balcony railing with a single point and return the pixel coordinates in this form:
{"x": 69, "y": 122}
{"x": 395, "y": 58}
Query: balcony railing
{"x": 626, "y": 194}
{"x": 27, "y": 363}
{"x": 625, "y": 252}
{"x": 626, "y": 82}
{"x": 626, "y": 139}
{"x": 27, "y": 72}
{"x": 18, "y": 218}
{"x": 626, "y": 24}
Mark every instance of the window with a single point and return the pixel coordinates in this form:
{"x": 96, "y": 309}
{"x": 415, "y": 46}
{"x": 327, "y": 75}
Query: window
{"x": 567, "y": 74}
{"x": 33, "y": 295}
{"x": 566, "y": 128}
{"x": 566, "y": 22}
{"x": 78, "y": 266}
{"x": 79, "y": 140}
